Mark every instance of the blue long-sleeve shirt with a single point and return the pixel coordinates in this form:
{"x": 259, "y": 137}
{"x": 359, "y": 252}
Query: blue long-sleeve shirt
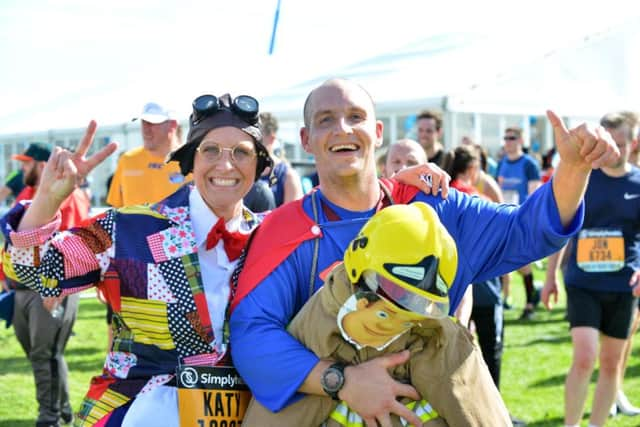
{"x": 491, "y": 239}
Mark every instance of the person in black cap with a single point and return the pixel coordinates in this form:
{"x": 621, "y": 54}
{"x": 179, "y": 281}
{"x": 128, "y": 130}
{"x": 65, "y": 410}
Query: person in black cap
{"x": 30, "y": 168}
{"x": 43, "y": 325}
{"x": 164, "y": 268}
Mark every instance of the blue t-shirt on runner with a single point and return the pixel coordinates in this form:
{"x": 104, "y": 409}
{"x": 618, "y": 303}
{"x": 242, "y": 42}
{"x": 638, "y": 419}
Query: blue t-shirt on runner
{"x": 514, "y": 177}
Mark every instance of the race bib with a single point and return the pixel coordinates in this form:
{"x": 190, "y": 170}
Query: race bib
{"x": 600, "y": 250}
{"x": 211, "y": 396}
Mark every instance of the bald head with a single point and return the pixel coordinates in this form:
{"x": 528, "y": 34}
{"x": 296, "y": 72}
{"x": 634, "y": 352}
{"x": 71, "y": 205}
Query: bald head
{"x": 404, "y": 153}
{"x": 336, "y": 86}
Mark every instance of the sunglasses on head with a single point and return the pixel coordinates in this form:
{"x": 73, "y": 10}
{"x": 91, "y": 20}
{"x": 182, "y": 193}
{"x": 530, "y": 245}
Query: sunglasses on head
{"x": 244, "y": 106}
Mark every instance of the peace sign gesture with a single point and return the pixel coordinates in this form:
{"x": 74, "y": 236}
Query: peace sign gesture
{"x": 60, "y": 177}
{"x": 65, "y": 169}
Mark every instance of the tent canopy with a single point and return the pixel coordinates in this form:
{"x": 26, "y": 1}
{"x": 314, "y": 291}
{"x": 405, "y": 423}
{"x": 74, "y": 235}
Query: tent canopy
{"x": 582, "y": 75}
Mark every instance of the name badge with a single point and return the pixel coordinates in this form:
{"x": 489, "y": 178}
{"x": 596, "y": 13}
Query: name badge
{"x": 600, "y": 250}
{"x": 211, "y": 396}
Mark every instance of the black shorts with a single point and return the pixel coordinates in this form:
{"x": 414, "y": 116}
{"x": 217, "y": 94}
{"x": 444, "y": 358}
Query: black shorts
{"x": 610, "y": 312}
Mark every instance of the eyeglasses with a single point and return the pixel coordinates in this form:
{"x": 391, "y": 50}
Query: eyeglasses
{"x": 509, "y": 138}
{"x": 244, "y": 106}
{"x": 240, "y": 155}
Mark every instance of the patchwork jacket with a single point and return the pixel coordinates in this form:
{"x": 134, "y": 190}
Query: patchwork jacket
{"x": 144, "y": 260}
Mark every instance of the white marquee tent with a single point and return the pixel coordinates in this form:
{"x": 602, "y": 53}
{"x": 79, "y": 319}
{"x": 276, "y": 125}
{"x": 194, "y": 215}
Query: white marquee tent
{"x": 580, "y": 76}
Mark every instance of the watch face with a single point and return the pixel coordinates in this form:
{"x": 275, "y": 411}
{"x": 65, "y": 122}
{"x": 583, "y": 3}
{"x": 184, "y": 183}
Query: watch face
{"x": 333, "y": 379}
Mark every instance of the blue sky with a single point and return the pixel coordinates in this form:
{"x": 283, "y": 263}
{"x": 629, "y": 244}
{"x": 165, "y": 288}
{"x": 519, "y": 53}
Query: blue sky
{"x": 67, "y": 61}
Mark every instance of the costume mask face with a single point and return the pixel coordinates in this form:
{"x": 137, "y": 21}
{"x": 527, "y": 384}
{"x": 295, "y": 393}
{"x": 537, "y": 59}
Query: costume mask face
{"x": 367, "y": 319}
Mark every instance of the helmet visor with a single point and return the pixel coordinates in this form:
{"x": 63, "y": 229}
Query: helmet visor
{"x": 409, "y": 297}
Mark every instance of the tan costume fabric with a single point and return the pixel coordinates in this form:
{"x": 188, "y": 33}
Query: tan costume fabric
{"x": 446, "y": 367}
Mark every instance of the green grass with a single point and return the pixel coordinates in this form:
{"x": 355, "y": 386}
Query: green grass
{"x": 536, "y": 358}
{"x": 85, "y": 355}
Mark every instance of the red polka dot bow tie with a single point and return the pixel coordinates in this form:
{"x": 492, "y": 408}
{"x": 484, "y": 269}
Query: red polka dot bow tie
{"x": 233, "y": 242}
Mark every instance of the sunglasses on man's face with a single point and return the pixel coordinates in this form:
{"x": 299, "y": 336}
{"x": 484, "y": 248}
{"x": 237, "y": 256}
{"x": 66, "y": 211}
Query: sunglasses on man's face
{"x": 510, "y": 138}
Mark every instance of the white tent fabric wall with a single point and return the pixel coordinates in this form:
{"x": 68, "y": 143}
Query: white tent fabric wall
{"x": 581, "y": 77}
{"x": 584, "y": 78}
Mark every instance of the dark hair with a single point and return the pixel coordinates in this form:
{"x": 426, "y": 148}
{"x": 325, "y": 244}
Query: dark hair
{"x": 548, "y": 158}
{"x": 483, "y": 156}
{"x": 430, "y": 114}
{"x": 463, "y": 157}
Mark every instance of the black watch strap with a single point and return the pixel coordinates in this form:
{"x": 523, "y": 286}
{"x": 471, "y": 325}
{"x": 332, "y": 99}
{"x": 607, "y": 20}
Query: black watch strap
{"x": 332, "y": 379}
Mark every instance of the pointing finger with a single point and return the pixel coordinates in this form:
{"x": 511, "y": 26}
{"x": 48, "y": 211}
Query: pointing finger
{"x": 559, "y": 129}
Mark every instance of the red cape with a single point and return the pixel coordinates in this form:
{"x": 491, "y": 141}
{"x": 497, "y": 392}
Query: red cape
{"x": 283, "y": 230}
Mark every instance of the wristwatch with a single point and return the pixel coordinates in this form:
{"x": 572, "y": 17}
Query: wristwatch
{"x": 332, "y": 379}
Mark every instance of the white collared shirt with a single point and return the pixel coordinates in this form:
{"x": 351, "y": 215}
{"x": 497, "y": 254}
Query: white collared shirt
{"x": 214, "y": 264}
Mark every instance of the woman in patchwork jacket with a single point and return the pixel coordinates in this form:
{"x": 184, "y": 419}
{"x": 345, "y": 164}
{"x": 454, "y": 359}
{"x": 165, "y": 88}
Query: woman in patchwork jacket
{"x": 165, "y": 268}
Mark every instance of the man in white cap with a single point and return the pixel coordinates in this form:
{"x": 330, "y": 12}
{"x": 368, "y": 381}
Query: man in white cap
{"x": 142, "y": 175}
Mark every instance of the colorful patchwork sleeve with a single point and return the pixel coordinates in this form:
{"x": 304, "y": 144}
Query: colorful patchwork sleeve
{"x": 60, "y": 263}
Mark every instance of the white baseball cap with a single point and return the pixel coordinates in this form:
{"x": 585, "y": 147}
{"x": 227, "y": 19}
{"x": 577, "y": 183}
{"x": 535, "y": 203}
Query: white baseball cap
{"x": 153, "y": 112}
